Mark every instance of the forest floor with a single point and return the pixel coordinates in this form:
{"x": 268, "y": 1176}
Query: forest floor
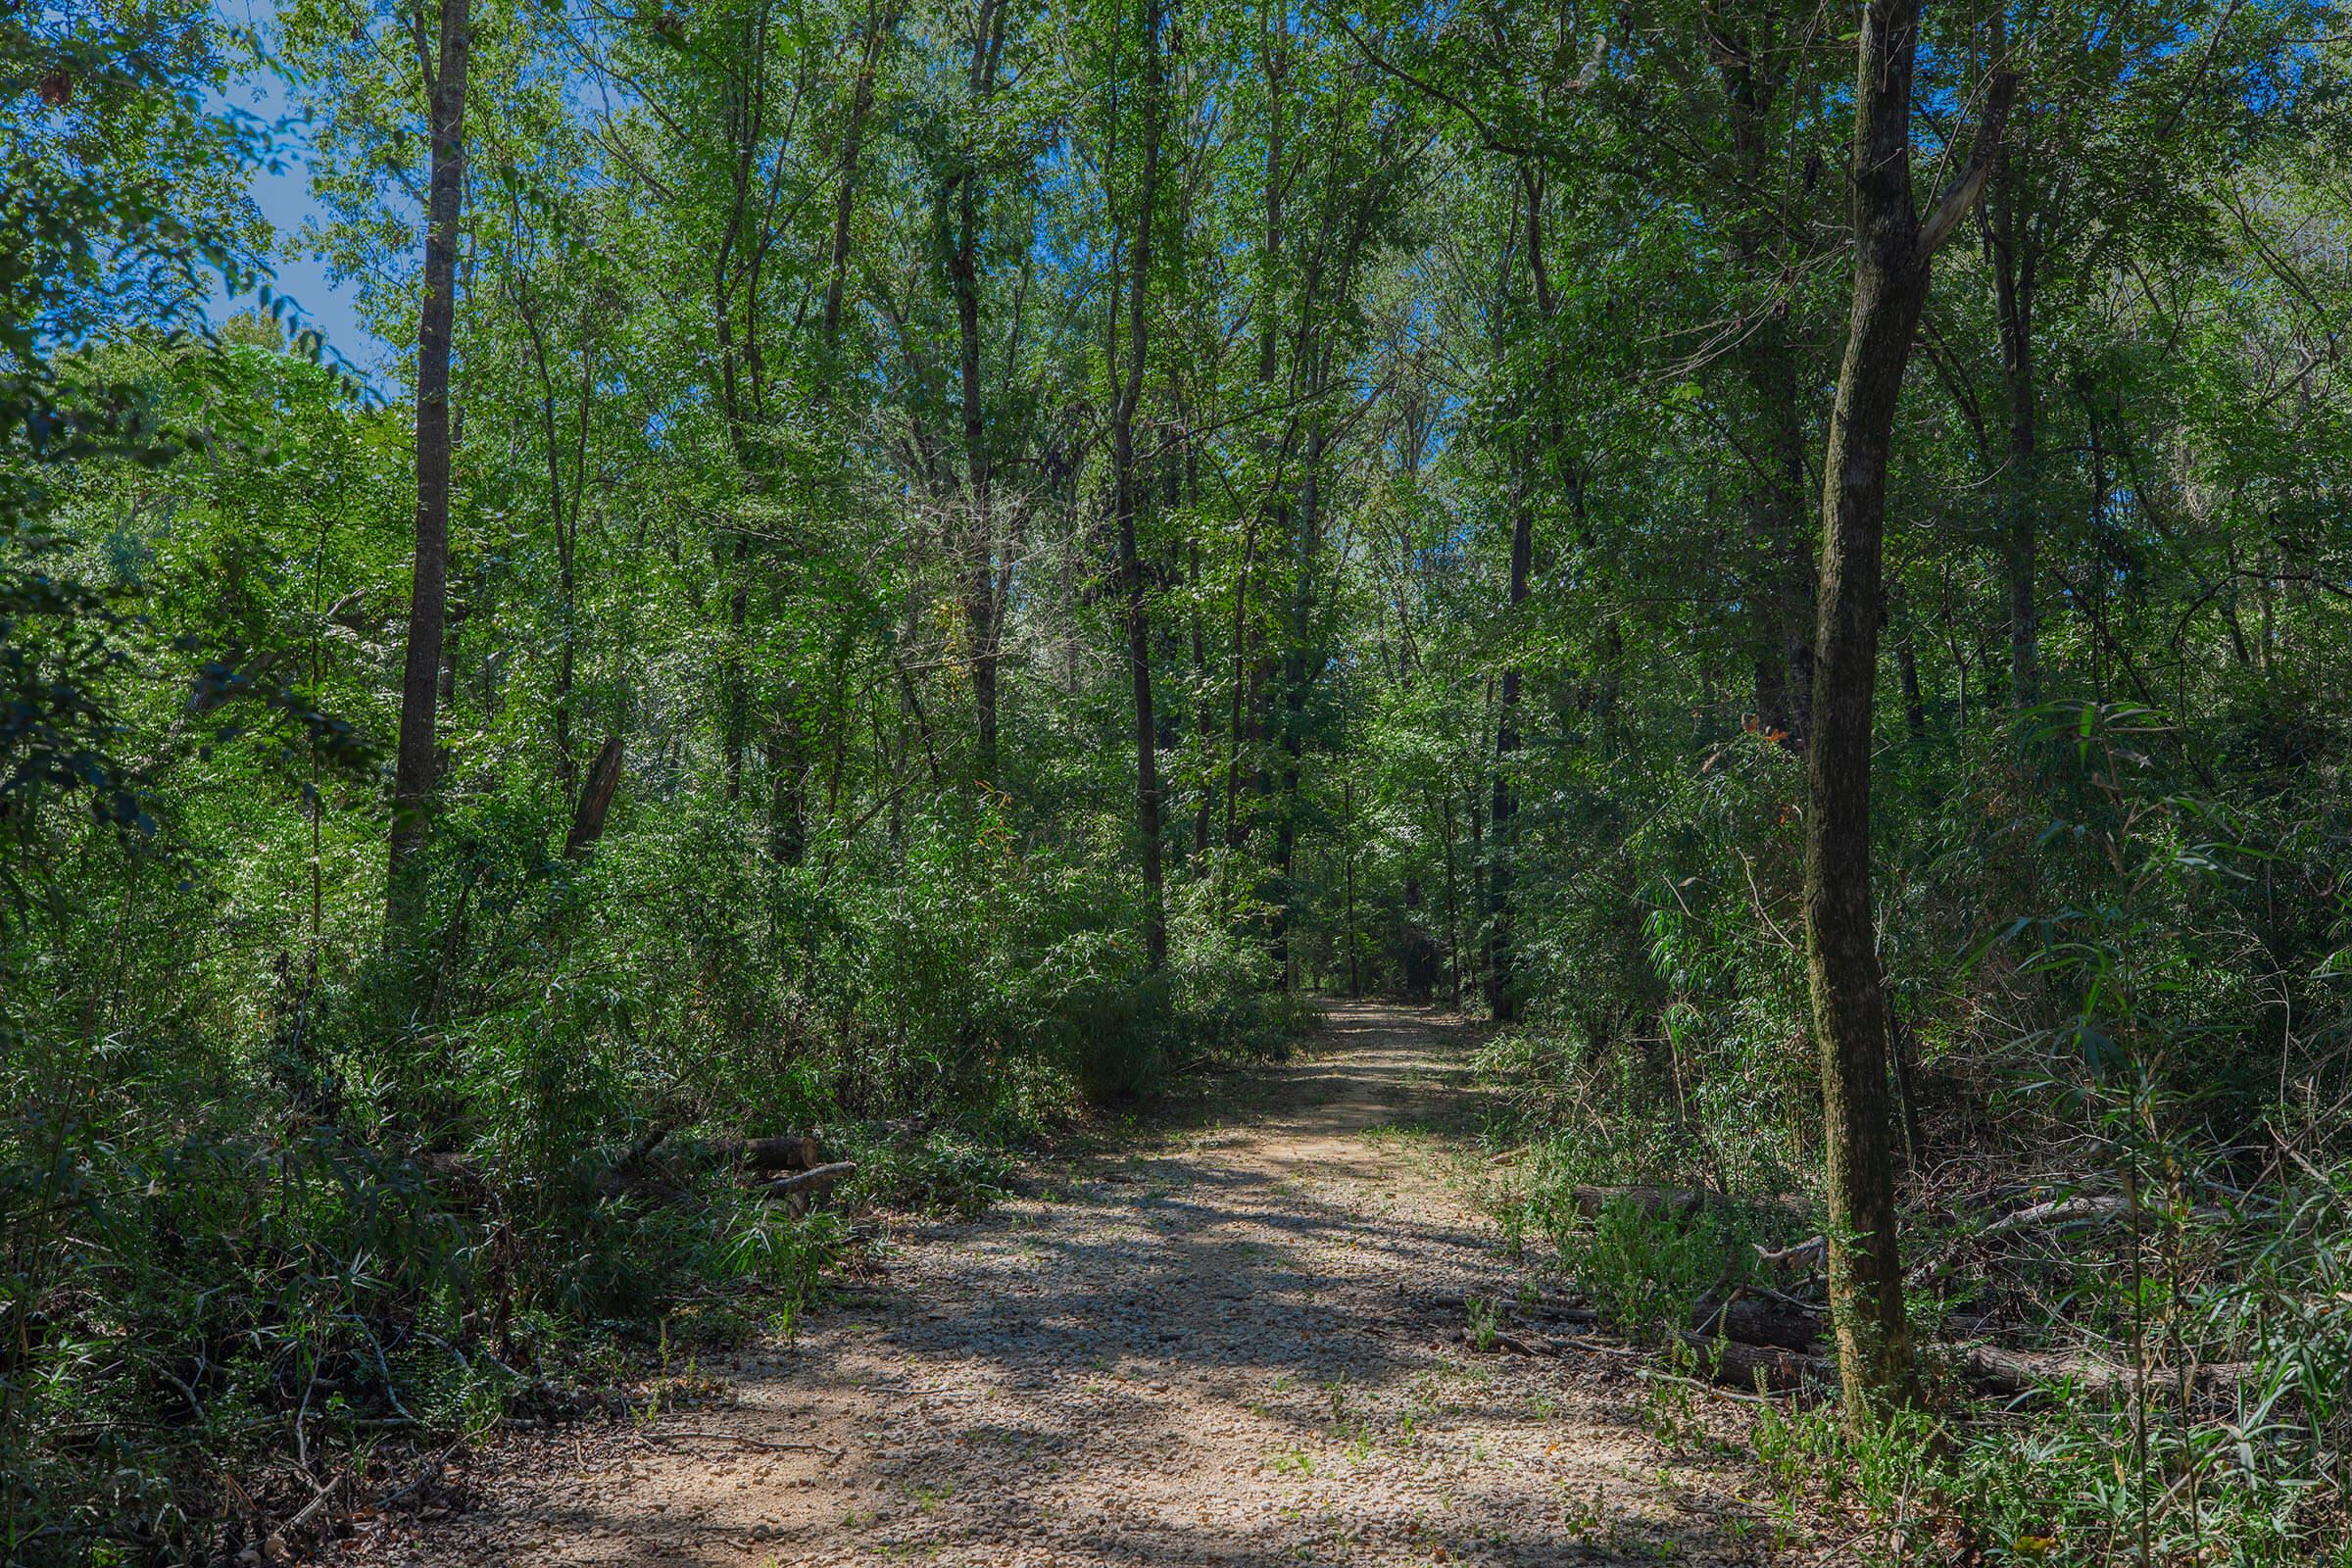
{"x": 1238, "y": 1340}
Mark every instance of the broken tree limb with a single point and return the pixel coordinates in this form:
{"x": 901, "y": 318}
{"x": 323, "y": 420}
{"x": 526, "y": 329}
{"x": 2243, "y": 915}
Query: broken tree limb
{"x": 672, "y": 1435}
{"x": 426, "y": 1475}
{"x": 643, "y": 1149}
{"x": 595, "y": 798}
{"x": 810, "y": 1183}
{"x": 2080, "y": 1209}
{"x": 287, "y": 1540}
{"x": 1810, "y": 1256}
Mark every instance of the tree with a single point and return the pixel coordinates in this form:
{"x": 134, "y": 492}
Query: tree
{"x": 441, "y": 57}
{"x": 1893, "y": 249}
{"x": 1142, "y": 216}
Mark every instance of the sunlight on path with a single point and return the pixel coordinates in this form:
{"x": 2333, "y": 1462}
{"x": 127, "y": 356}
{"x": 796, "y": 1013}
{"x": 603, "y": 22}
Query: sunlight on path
{"x": 1219, "y": 1352}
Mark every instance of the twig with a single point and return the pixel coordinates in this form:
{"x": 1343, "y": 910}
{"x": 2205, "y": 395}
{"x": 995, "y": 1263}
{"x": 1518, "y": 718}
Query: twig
{"x": 832, "y": 1455}
{"x": 430, "y": 1472}
{"x": 1652, "y": 1374}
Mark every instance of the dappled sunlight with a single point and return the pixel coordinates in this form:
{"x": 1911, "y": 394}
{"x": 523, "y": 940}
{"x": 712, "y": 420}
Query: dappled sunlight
{"x": 1228, "y": 1355}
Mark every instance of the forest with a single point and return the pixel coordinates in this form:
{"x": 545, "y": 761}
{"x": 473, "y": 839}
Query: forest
{"x": 914, "y": 580}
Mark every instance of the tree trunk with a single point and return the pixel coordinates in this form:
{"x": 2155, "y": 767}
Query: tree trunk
{"x": 963, "y": 272}
{"x": 1502, "y": 998}
{"x": 1204, "y": 718}
{"x": 416, "y": 766}
{"x": 1123, "y": 500}
{"x": 1915, "y": 708}
{"x": 595, "y": 798}
{"x": 878, "y": 26}
{"x": 787, "y": 792}
{"x": 1754, "y": 73}
{"x": 1248, "y": 670}
{"x": 1892, "y": 249}
{"x": 1355, "y": 979}
{"x": 2014, "y": 272}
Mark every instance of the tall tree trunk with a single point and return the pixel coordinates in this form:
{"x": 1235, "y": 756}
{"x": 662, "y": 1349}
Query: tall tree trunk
{"x": 737, "y": 262}
{"x": 1123, "y": 498}
{"x": 787, "y": 791}
{"x": 1355, "y": 980}
{"x": 416, "y": 765}
{"x": 1298, "y": 666}
{"x": 963, "y": 272}
{"x": 1789, "y": 587}
{"x": 1248, "y": 671}
{"x": 1204, "y": 718}
{"x": 1502, "y": 998}
{"x": 2015, "y": 268}
{"x": 1892, "y": 250}
{"x": 878, "y": 26}
{"x": 1453, "y": 939}
{"x": 980, "y": 568}
{"x": 1915, "y": 708}
{"x": 1780, "y": 598}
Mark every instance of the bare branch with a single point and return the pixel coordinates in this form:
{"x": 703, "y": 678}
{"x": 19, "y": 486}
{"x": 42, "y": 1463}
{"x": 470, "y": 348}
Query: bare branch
{"x": 1963, "y": 194}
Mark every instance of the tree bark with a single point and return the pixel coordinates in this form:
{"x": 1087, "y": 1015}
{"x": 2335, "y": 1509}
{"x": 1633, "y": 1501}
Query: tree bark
{"x": 595, "y": 798}
{"x": 2014, "y": 275}
{"x": 416, "y": 764}
{"x": 1502, "y": 998}
{"x": 964, "y": 274}
{"x": 1753, "y": 72}
{"x": 1502, "y": 1001}
{"x": 1123, "y": 500}
{"x": 1892, "y": 250}
{"x": 879, "y": 28}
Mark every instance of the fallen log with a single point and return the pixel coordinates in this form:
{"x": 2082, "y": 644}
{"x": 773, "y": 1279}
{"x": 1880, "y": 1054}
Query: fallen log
{"x": 792, "y": 1152}
{"x": 800, "y": 1188}
{"x": 1811, "y": 1256}
{"x": 1741, "y": 1366}
{"x": 1764, "y": 1320}
{"x": 1508, "y": 1309}
{"x": 2023, "y": 1374}
{"x": 1679, "y": 1201}
{"x": 2085, "y": 1207}
{"x": 819, "y": 1180}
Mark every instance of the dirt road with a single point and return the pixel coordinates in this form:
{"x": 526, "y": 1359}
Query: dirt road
{"x": 1241, "y": 1346}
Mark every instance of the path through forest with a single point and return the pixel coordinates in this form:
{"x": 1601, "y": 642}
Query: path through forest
{"x": 1238, "y": 1345}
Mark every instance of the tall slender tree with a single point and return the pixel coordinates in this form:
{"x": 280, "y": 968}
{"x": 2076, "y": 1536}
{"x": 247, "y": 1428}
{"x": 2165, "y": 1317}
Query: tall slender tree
{"x": 441, "y": 55}
{"x": 1894, "y": 250}
{"x": 1126, "y": 398}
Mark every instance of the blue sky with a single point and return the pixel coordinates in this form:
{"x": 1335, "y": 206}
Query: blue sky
{"x": 283, "y": 195}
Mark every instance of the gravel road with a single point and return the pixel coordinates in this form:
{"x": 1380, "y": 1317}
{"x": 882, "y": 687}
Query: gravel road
{"x": 1235, "y": 1345}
